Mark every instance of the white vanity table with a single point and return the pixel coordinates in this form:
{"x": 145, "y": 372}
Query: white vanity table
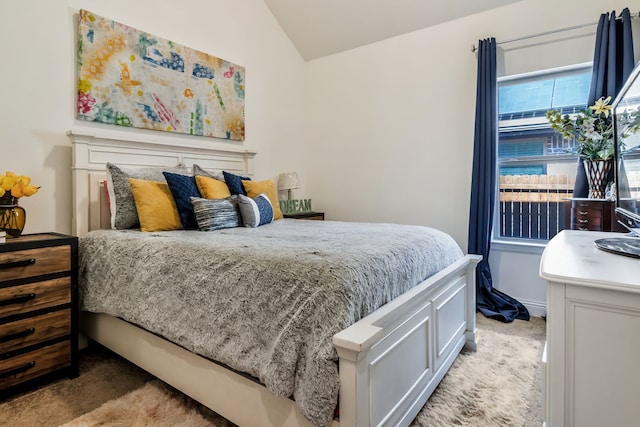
{"x": 591, "y": 365}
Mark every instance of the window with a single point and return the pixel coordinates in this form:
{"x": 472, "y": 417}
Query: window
{"x": 536, "y": 166}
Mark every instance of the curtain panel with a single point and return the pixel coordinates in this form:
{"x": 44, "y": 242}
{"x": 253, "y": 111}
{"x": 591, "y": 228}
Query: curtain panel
{"x": 613, "y": 62}
{"x": 489, "y": 301}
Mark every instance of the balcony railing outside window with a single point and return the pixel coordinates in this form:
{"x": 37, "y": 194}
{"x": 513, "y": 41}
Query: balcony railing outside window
{"x": 534, "y": 190}
{"x": 533, "y": 206}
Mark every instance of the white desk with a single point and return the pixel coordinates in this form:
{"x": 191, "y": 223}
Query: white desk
{"x": 592, "y": 369}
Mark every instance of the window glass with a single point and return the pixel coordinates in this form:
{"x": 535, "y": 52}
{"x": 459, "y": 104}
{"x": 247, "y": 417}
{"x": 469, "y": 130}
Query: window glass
{"x": 528, "y": 96}
{"x": 570, "y": 91}
{"x": 521, "y": 149}
{"x": 535, "y": 165}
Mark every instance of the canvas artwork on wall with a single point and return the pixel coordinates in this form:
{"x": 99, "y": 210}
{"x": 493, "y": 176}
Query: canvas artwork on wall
{"x": 127, "y": 77}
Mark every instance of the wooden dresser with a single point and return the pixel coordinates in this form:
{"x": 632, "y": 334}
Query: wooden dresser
{"x": 593, "y": 215}
{"x": 591, "y": 374}
{"x": 38, "y": 309}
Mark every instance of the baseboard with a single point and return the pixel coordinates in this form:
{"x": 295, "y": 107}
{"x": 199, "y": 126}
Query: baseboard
{"x": 536, "y": 308}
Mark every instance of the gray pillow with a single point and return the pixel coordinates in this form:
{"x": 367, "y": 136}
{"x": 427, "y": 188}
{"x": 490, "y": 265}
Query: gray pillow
{"x": 121, "y": 203}
{"x": 215, "y": 214}
{"x": 198, "y": 171}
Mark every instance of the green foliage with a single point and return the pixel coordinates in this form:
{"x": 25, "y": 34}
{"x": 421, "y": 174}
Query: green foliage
{"x": 593, "y": 128}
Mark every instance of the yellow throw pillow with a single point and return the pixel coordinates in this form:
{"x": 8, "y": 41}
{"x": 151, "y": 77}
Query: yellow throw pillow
{"x": 211, "y": 188}
{"x": 156, "y": 207}
{"x": 268, "y": 187}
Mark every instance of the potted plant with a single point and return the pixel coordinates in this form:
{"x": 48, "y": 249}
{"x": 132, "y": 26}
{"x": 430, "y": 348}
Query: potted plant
{"x": 592, "y": 128}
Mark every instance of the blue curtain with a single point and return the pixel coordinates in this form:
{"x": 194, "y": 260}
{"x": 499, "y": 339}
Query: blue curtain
{"x": 489, "y": 301}
{"x": 612, "y": 64}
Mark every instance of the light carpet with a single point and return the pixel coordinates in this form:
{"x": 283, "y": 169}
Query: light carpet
{"x": 154, "y": 404}
{"x": 499, "y": 385}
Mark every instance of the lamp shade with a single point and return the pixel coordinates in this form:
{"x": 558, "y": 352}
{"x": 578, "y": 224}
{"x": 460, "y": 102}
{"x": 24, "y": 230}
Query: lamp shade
{"x": 288, "y": 181}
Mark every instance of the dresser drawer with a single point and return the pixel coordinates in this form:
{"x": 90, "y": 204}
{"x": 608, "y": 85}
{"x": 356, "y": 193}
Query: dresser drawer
{"x": 587, "y": 213}
{"x": 30, "y": 365}
{"x": 34, "y": 330}
{"x": 34, "y": 262}
{"x": 34, "y": 296}
{"x": 588, "y": 223}
{"x": 588, "y": 204}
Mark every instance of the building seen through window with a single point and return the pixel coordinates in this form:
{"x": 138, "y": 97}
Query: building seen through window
{"x": 536, "y": 166}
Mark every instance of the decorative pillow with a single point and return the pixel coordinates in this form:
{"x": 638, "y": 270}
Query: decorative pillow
{"x": 268, "y": 187}
{"x": 215, "y": 214}
{"x": 255, "y": 212}
{"x": 183, "y": 187}
{"x": 155, "y": 205}
{"x": 198, "y": 171}
{"x": 121, "y": 204}
{"x": 211, "y": 188}
{"x": 234, "y": 182}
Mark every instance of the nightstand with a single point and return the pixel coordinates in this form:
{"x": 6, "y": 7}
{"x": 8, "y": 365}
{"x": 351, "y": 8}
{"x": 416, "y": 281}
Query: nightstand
{"x": 38, "y": 309}
{"x": 307, "y": 215}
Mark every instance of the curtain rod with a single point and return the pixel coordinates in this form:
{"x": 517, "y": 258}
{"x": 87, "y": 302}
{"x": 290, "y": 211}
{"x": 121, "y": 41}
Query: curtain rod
{"x": 546, "y": 33}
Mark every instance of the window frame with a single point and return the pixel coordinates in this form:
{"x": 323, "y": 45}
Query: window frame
{"x": 519, "y": 244}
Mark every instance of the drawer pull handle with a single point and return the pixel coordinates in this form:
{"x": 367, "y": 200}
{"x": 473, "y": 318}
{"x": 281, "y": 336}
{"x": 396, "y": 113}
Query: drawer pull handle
{"x": 583, "y": 221}
{"x": 14, "y": 264}
{"x": 17, "y": 299}
{"x": 17, "y": 335}
{"x": 583, "y": 212}
{"x": 14, "y": 371}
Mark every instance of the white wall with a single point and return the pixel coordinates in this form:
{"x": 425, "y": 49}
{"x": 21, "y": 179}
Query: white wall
{"x": 390, "y": 125}
{"x": 38, "y": 83}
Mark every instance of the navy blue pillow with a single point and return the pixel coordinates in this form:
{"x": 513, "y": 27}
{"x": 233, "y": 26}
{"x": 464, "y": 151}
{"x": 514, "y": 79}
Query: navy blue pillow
{"x": 183, "y": 188}
{"x": 234, "y": 182}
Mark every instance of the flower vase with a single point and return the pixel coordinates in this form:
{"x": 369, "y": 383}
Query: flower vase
{"x": 12, "y": 216}
{"x": 597, "y": 172}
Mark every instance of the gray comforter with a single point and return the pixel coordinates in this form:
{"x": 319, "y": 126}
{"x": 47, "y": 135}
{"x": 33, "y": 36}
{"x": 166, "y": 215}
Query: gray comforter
{"x": 265, "y": 301}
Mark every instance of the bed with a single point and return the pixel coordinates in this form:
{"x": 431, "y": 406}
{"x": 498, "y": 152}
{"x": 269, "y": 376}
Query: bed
{"x": 388, "y": 360}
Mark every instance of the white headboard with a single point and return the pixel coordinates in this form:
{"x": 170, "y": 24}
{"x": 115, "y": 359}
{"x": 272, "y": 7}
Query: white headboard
{"x": 91, "y": 153}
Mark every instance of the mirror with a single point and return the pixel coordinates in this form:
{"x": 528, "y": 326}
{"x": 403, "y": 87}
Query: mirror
{"x": 626, "y": 110}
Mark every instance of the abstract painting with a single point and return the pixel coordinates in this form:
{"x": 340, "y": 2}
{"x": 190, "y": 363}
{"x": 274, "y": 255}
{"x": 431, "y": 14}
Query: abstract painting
{"x": 127, "y": 77}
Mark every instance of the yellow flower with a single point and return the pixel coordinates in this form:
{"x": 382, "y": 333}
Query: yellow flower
{"x": 8, "y": 182}
{"x": 602, "y": 106}
{"x": 16, "y": 185}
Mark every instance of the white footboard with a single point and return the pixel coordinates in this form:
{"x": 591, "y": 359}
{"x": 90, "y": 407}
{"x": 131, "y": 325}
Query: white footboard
{"x": 392, "y": 360}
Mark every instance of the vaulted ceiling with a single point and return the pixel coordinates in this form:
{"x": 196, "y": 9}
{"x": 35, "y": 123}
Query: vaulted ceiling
{"x": 319, "y": 28}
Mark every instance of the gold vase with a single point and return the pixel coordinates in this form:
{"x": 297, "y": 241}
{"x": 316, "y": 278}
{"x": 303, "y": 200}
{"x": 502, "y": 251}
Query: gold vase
{"x": 12, "y": 216}
{"x": 597, "y": 171}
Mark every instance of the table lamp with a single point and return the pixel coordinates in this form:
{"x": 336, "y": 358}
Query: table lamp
{"x": 288, "y": 181}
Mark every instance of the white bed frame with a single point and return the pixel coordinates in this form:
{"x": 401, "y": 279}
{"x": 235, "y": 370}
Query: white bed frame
{"x": 390, "y": 361}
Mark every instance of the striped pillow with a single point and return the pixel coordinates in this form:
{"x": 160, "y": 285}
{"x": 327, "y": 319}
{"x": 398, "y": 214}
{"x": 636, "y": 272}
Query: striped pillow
{"x": 255, "y": 212}
{"x": 216, "y": 214}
